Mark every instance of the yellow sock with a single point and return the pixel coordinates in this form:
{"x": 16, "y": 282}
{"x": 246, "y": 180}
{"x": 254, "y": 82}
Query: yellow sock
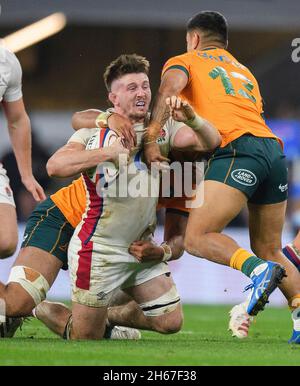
{"x": 238, "y": 258}
{"x": 294, "y": 302}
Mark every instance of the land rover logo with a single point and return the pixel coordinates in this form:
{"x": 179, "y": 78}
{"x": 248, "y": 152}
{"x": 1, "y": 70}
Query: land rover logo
{"x": 244, "y": 177}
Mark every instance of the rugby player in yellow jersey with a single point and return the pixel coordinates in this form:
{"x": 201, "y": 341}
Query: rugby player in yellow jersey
{"x": 248, "y": 169}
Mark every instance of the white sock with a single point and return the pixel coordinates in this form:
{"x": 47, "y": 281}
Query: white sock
{"x": 296, "y": 319}
{"x": 34, "y": 313}
{"x": 2, "y": 311}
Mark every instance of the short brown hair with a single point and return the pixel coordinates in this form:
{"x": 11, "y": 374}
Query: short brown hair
{"x": 125, "y": 64}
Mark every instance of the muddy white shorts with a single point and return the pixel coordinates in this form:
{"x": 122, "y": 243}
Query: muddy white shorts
{"x": 98, "y": 270}
{"x": 6, "y": 194}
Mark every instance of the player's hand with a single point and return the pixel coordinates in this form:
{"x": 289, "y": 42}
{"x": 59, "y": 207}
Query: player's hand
{"x": 118, "y": 153}
{"x": 144, "y": 250}
{"x": 154, "y": 158}
{"x": 123, "y": 127}
{"x": 180, "y": 110}
{"x": 34, "y": 188}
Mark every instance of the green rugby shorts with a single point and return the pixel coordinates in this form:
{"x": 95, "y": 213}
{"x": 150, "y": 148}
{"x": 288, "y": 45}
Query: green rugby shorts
{"x": 49, "y": 230}
{"x": 256, "y": 166}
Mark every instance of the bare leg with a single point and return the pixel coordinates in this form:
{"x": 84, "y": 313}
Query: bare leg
{"x": 54, "y": 315}
{"x": 120, "y": 298}
{"x": 296, "y": 241}
{"x": 18, "y": 301}
{"x": 131, "y": 314}
{"x": 265, "y": 226}
{"x": 83, "y": 322}
{"x": 8, "y": 231}
{"x": 88, "y": 322}
{"x": 203, "y": 237}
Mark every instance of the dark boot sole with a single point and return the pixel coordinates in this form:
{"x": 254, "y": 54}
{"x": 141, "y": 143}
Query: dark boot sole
{"x": 277, "y": 275}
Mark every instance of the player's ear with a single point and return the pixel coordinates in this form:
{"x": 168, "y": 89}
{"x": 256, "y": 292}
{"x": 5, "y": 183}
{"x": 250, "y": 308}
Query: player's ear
{"x": 196, "y": 39}
{"x": 193, "y": 40}
{"x": 112, "y": 97}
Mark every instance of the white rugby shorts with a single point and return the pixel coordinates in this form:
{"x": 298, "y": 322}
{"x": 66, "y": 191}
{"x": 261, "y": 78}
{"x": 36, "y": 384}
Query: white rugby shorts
{"x": 6, "y": 194}
{"x": 97, "y": 271}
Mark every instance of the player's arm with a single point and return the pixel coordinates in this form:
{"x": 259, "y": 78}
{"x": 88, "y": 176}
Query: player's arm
{"x": 96, "y": 118}
{"x": 197, "y": 134}
{"x": 19, "y": 129}
{"x": 172, "y": 83}
{"x": 173, "y": 246}
{"x": 73, "y": 158}
{"x": 85, "y": 119}
{"x": 174, "y": 232}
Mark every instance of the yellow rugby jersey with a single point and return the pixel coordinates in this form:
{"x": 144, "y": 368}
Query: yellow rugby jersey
{"x": 223, "y": 91}
{"x": 71, "y": 201}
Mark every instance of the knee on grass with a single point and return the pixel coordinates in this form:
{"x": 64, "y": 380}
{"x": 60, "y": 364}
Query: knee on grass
{"x": 26, "y": 288}
{"x": 164, "y": 314}
{"x": 168, "y": 324}
{"x": 17, "y": 301}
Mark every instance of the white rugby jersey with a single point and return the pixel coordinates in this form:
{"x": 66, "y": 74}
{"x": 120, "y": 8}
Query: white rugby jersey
{"x": 116, "y": 222}
{"x": 10, "y": 76}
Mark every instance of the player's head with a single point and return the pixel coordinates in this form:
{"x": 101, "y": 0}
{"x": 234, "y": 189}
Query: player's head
{"x": 207, "y": 28}
{"x": 127, "y": 83}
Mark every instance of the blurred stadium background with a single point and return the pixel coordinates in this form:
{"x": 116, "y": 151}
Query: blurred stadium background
{"x": 63, "y": 74}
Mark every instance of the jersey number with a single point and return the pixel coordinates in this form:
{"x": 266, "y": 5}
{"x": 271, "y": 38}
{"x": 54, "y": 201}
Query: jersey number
{"x": 228, "y": 86}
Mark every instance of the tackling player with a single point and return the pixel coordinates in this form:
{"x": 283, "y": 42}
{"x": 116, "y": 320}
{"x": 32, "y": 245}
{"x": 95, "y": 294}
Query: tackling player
{"x": 248, "y": 169}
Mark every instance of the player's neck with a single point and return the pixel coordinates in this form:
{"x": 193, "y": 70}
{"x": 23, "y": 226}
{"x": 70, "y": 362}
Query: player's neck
{"x": 210, "y": 46}
{"x": 134, "y": 120}
{"x": 137, "y": 120}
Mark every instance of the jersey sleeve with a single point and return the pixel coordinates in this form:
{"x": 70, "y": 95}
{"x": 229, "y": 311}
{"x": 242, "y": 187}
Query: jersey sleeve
{"x": 172, "y": 127}
{"x": 179, "y": 63}
{"x": 14, "y": 87}
{"x": 82, "y": 136}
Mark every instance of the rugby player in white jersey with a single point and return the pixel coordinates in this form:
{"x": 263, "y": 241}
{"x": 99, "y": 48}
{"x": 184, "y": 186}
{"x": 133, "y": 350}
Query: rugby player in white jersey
{"x": 99, "y": 260}
{"x": 20, "y": 135}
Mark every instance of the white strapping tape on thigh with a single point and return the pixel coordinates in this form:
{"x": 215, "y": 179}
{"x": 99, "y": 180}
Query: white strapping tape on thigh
{"x": 162, "y": 305}
{"x": 32, "y": 281}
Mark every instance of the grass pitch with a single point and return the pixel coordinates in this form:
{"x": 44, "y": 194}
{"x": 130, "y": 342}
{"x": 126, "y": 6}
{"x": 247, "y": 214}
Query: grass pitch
{"x": 204, "y": 340}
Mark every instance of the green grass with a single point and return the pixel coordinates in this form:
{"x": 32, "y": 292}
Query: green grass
{"x": 204, "y": 340}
